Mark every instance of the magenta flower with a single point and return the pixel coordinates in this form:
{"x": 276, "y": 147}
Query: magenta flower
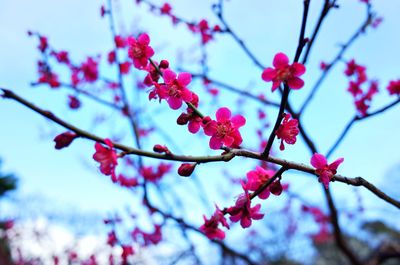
{"x": 174, "y": 90}
{"x": 394, "y": 87}
{"x": 107, "y": 157}
{"x": 243, "y": 211}
{"x": 139, "y": 50}
{"x": 256, "y": 178}
{"x": 90, "y": 70}
{"x": 323, "y": 170}
{"x": 287, "y": 131}
{"x": 210, "y": 227}
{"x": 284, "y": 72}
{"x": 225, "y": 130}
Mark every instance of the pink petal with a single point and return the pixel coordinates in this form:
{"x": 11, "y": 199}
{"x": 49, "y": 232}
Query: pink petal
{"x": 193, "y": 127}
{"x": 264, "y": 194}
{"x": 298, "y": 69}
{"x": 169, "y": 76}
{"x": 334, "y": 165}
{"x": 275, "y": 85}
{"x": 223, "y": 114}
{"x": 268, "y": 74}
{"x": 280, "y": 60}
{"x": 144, "y": 39}
{"x": 184, "y": 79}
{"x": 238, "y": 121}
{"x": 108, "y": 142}
{"x": 186, "y": 95}
{"x": 174, "y": 103}
{"x": 210, "y": 128}
{"x": 325, "y": 180}
{"x": 245, "y": 222}
{"x": 149, "y": 51}
{"x": 228, "y": 141}
{"x": 236, "y": 217}
{"x": 215, "y": 143}
{"x": 295, "y": 83}
{"x": 318, "y": 161}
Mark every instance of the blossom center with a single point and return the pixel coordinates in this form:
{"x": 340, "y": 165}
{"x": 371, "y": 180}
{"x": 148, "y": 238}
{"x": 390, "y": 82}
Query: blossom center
{"x": 284, "y": 74}
{"x": 137, "y": 52}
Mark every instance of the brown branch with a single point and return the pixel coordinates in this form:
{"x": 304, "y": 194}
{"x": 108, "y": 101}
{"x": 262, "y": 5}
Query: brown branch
{"x": 337, "y": 58}
{"x": 229, "y": 154}
{"x": 340, "y": 241}
{"x": 356, "y": 119}
{"x": 286, "y": 90}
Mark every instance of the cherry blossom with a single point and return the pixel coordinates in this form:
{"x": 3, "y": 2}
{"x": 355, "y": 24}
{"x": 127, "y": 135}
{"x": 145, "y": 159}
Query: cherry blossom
{"x": 210, "y": 227}
{"x": 139, "y": 50}
{"x": 394, "y": 87}
{"x": 107, "y": 157}
{"x": 225, "y": 130}
{"x": 243, "y": 211}
{"x": 174, "y": 90}
{"x": 256, "y": 178}
{"x": 323, "y": 170}
{"x": 284, "y": 72}
{"x": 287, "y": 131}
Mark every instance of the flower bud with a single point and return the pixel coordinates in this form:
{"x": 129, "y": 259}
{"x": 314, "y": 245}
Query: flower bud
{"x": 64, "y": 139}
{"x": 186, "y": 169}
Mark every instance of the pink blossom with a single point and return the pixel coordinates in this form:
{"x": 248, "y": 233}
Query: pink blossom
{"x": 394, "y": 87}
{"x": 124, "y": 67}
{"x": 243, "y": 211}
{"x": 166, "y": 9}
{"x": 107, "y": 157}
{"x": 174, "y": 90}
{"x": 284, "y": 72}
{"x": 323, "y": 170}
{"x": 120, "y": 42}
{"x": 256, "y": 178}
{"x": 90, "y": 70}
{"x": 153, "y": 174}
{"x": 287, "y": 131}
{"x": 139, "y": 50}
{"x": 210, "y": 227}
{"x": 225, "y": 130}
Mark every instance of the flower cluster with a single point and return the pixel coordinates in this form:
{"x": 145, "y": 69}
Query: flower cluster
{"x": 211, "y": 226}
{"x": 357, "y": 78}
{"x": 154, "y": 174}
{"x": 284, "y": 72}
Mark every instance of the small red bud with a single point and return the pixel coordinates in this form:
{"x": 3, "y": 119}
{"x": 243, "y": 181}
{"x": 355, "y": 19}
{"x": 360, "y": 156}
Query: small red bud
{"x": 276, "y": 188}
{"x": 158, "y": 148}
{"x": 183, "y": 119}
{"x": 164, "y": 64}
{"x": 206, "y": 120}
{"x": 64, "y": 139}
{"x": 186, "y": 169}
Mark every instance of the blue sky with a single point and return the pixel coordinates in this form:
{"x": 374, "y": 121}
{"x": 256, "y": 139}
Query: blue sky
{"x": 71, "y": 177}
